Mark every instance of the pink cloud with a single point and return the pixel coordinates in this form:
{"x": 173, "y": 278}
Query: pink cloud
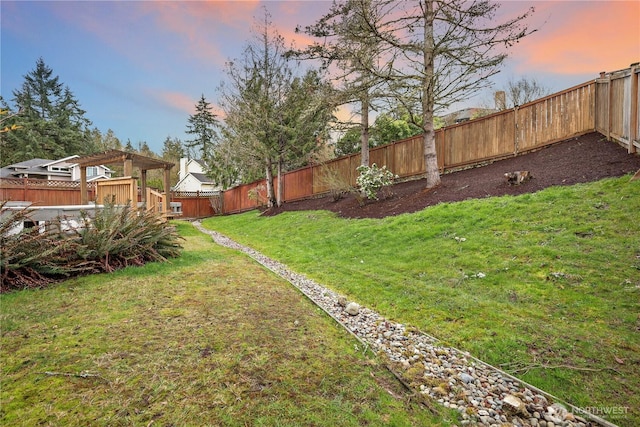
{"x": 582, "y": 37}
{"x": 203, "y": 25}
{"x": 198, "y": 29}
{"x": 178, "y": 101}
{"x": 174, "y": 100}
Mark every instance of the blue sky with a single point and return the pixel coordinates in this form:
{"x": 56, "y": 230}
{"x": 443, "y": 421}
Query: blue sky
{"x": 139, "y": 67}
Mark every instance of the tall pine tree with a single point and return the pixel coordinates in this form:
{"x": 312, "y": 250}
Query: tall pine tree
{"x": 203, "y": 126}
{"x": 173, "y": 151}
{"x": 52, "y": 123}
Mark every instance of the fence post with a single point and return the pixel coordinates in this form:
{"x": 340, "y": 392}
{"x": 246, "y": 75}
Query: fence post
{"x": 443, "y": 151}
{"x": 633, "y": 122}
{"x": 609, "y": 100}
{"x": 516, "y": 131}
{"x": 25, "y": 188}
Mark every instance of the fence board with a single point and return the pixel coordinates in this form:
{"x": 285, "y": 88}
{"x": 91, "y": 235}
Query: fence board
{"x": 298, "y": 184}
{"x": 408, "y": 158}
{"x": 195, "y": 207}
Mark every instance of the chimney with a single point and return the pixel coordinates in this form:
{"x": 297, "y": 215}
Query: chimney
{"x": 500, "y": 99}
{"x": 183, "y": 168}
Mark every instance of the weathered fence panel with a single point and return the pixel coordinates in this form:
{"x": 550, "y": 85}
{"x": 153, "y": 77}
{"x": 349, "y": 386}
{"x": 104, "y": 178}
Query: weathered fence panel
{"x": 245, "y": 197}
{"x": 478, "y": 140}
{"x": 616, "y": 106}
{"x": 195, "y": 207}
{"x": 342, "y": 169}
{"x": 555, "y": 117}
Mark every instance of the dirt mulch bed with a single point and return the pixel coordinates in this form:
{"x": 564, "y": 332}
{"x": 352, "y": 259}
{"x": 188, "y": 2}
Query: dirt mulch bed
{"x": 584, "y": 159}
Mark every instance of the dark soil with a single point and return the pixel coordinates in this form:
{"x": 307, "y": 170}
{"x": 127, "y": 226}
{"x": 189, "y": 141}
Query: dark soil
{"x": 584, "y": 159}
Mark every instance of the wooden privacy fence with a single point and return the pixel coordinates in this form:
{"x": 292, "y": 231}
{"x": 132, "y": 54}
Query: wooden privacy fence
{"x": 198, "y": 204}
{"x": 608, "y": 105}
{"x": 504, "y": 134}
{"x": 42, "y": 192}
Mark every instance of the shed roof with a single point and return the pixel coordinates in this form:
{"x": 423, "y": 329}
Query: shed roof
{"x": 118, "y": 156}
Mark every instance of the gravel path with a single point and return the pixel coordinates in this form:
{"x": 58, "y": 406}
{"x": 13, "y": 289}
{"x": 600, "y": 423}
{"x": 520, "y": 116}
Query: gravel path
{"x": 483, "y": 394}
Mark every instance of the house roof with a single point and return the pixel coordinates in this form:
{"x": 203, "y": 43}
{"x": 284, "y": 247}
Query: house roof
{"x": 39, "y": 167}
{"x": 61, "y": 161}
{"x": 118, "y": 156}
{"x": 33, "y": 166}
{"x": 30, "y": 163}
{"x": 97, "y": 178}
{"x": 203, "y": 178}
{"x": 200, "y": 177}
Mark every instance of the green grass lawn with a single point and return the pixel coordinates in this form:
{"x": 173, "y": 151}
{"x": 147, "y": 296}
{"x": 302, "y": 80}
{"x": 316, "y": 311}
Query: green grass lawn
{"x": 210, "y": 338}
{"x": 544, "y": 285}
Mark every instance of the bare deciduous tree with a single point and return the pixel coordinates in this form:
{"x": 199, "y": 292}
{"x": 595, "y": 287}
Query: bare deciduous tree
{"x": 436, "y": 53}
{"x": 524, "y": 90}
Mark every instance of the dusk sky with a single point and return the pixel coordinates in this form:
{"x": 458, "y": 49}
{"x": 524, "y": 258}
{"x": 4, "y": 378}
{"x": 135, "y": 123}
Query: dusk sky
{"x": 140, "y": 67}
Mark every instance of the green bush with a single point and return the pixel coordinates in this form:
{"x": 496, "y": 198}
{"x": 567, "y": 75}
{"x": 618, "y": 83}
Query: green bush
{"x": 372, "y": 179}
{"x": 118, "y": 236}
{"x": 24, "y": 255}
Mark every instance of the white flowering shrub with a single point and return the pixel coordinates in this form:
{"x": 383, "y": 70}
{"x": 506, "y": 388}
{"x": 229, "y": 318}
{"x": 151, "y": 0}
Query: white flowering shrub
{"x": 372, "y": 178}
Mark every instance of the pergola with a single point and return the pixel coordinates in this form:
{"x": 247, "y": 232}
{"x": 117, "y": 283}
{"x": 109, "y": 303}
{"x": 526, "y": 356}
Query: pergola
{"x": 130, "y": 161}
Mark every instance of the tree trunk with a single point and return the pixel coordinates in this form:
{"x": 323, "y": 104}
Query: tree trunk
{"x": 269, "y": 179}
{"x": 364, "y": 135}
{"x": 428, "y": 100}
{"x": 280, "y": 193}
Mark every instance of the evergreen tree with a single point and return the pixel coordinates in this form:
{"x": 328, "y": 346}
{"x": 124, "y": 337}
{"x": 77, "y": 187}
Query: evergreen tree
{"x": 9, "y": 122}
{"x": 173, "y": 151}
{"x": 203, "y": 126}
{"x": 145, "y": 150}
{"x": 52, "y": 123}
{"x": 129, "y": 147}
{"x": 273, "y": 120}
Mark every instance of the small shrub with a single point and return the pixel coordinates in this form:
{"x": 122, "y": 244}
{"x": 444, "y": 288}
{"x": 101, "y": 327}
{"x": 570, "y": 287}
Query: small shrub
{"x": 336, "y": 182}
{"x": 258, "y": 195}
{"x": 372, "y": 178}
{"x": 119, "y": 236}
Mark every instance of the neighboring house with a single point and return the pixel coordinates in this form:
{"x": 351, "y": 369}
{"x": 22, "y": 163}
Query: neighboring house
{"x": 192, "y": 177}
{"x": 54, "y": 170}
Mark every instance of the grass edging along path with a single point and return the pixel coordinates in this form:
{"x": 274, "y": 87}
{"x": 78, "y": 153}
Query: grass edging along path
{"x": 210, "y": 338}
{"x": 542, "y": 285}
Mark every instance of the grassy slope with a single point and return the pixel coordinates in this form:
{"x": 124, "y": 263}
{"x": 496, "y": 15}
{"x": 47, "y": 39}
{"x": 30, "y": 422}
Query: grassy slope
{"x": 209, "y": 339}
{"x": 559, "y": 302}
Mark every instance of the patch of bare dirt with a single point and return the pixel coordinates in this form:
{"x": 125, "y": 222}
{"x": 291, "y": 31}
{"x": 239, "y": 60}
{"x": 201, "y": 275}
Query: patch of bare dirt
{"x": 584, "y": 159}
